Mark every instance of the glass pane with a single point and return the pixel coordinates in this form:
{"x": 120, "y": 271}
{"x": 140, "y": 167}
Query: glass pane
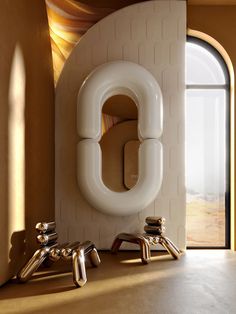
{"x": 205, "y": 167}
{"x": 202, "y": 67}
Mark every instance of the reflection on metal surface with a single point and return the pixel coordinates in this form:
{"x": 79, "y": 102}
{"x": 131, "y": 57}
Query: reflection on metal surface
{"x": 158, "y": 230}
{"x": 133, "y": 238}
{"x": 155, "y": 220}
{"x": 45, "y": 238}
{"x": 55, "y": 253}
{"x": 33, "y": 264}
{"x": 154, "y": 235}
{"x": 50, "y": 252}
{"x": 78, "y": 262}
{"x": 66, "y": 252}
{"x": 170, "y": 247}
{"x": 48, "y": 247}
{"x": 144, "y": 241}
{"x": 44, "y": 227}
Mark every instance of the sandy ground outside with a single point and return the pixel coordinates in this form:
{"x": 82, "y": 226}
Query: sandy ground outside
{"x": 205, "y": 222}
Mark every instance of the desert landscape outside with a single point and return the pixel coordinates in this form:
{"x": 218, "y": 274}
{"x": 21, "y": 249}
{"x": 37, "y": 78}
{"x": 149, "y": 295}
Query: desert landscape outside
{"x": 205, "y": 221}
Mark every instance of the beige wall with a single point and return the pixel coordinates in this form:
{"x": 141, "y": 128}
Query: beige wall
{"x": 220, "y": 23}
{"x": 26, "y": 185}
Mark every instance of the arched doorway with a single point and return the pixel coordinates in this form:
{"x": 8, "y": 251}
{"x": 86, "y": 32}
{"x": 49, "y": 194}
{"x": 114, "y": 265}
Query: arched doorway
{"x": 207, "y": 149}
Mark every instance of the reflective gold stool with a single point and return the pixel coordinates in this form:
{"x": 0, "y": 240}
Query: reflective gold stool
{"x": 154, "y": 235}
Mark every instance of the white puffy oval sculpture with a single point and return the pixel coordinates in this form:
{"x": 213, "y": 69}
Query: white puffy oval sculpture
{"x": 119, "y": 78}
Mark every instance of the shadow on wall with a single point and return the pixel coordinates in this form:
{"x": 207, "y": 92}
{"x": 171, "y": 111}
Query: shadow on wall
{"x": 26, "y": 130}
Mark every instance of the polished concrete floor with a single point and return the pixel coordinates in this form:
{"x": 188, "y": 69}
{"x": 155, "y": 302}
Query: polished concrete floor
{"x": 202, "y": 281}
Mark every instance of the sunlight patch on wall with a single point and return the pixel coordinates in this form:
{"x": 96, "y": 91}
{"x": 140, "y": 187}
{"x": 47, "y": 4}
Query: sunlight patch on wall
{"x": 16, "y": 150}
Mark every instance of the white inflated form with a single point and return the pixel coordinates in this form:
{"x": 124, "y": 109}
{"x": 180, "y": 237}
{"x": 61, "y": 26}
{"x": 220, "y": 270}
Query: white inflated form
{"x": 119, "y": 78}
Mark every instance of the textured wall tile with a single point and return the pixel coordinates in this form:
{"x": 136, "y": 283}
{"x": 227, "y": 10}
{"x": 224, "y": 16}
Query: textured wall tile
{"x": 103, "y": 219}
{"x": 143, "y": 9}
{"x": 76, "y": 234}
{"x": 176, "y": 208}
{"x": 107, "y": 235}
{"x": 172, "y": 233}
{"x": 181, "y": 185}
{"x": 146, "y": 54}
{"x": 161, "y": 53}
{"x": 177, "y": 8}
{"x": 67, "y": 211}
{"x": 169, "y": 28}
{"x": 130, "y": 52}
{"x": 176, "y": 53}
{"x": 180, "y": 132}
{"x": 106, "y": 30}
{"x": 162, "y": 8}
{"x": 87, "y": 58}
{"x": 176, "y": 109}
{"x": 92, "y": 233}
{"x": 149, "y": 211}
{"x": 83, "y": 212}
{"x": 138, "y": 29}
{"x": 154, "y": 28}
{"x": 162, "y": 206}
{"x": 122, "y": 29}
{"x": 182, "y": 29}
{"x": 169, "y": 185}
{"x": 177, "y": 158}
{"x": 62, "y": 231}
{"x": 114, "y": 51}
{"x": 170, "y": 79}
{"x": 99, "y": 54}
{"x": 170, "y": 133}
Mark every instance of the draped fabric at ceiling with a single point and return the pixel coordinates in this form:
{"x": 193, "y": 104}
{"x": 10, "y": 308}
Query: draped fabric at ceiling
{"x": 68, "y": 22}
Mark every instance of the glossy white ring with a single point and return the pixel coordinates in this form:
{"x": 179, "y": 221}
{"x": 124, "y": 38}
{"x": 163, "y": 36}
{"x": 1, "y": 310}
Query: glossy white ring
{"x": 105, "y": 81}
{"x": 119, "y": 78}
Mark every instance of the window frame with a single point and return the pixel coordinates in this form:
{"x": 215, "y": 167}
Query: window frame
{"x": 226, "y": 88}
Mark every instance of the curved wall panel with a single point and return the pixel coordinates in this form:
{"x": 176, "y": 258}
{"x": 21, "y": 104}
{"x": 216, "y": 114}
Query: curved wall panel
{"x": 151, "y": 34}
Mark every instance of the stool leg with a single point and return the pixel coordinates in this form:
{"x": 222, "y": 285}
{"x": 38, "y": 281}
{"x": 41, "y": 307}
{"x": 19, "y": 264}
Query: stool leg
{"x": 94, "y": 258}
{"x": 145, "y": 251}
{"x": 79, "y": 271}
{"x": 33, "y": 264}
{"x": 170, "y": 247}
{"x": 78, "y": 261}
{"x": 133, "y": 238}
{"x": 116, "y": 245}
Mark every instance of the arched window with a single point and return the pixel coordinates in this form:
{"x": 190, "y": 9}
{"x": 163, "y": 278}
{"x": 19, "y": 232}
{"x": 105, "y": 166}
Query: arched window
{"x": 207, "y": 146}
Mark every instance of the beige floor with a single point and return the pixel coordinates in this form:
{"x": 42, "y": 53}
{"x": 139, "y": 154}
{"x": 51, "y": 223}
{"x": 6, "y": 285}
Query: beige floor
{"x": 200, "y": 282}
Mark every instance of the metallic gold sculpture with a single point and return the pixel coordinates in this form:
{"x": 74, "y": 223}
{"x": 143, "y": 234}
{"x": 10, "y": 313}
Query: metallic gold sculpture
{"x": 153, "y": 236}
{"x": 50, "y": 251}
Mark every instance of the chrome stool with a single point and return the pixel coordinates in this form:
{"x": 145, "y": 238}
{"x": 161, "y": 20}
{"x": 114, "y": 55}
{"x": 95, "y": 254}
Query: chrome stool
{"x": 50, "y": 251}
{"x": 154, "y": 235}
